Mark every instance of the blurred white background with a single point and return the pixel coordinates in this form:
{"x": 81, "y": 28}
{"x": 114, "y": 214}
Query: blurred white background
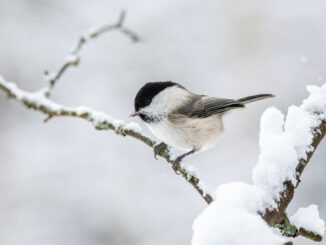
{"x": 65, "y": 183}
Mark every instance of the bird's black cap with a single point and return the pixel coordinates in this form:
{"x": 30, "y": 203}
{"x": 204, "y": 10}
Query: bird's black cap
{"x": 146, "y": 94}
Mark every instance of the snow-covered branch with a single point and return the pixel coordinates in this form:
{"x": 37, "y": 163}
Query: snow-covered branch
{"x": 101, "y": 121}
{"x": 287, "y": 147}
{"x": 40, "y": 101}
{"x": 244, "y": 211}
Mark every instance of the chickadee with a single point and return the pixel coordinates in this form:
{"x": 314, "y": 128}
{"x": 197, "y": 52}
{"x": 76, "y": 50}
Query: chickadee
{"x": 183, "y": 119}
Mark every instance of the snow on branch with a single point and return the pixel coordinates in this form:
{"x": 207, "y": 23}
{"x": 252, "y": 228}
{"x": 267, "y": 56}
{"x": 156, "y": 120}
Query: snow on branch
{"x": 307, "y": 219}
{"x": 293, "y": 147}
{"x": 242, "y": 212}
{"x": 40, "y": 101}
{"x": 101, "y": 121}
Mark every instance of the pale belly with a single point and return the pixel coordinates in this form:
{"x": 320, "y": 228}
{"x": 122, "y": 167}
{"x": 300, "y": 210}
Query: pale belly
{"x": 189, "y": 134}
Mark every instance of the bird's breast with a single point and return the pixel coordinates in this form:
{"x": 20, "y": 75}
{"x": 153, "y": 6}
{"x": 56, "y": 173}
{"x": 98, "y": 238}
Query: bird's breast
{"x": 187, "y": 133}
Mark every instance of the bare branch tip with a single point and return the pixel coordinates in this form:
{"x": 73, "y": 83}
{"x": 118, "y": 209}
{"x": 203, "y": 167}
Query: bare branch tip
{"x": 122, "y": 18}
{"x": 132, "y": 35}
{"x": 48, "y": 118}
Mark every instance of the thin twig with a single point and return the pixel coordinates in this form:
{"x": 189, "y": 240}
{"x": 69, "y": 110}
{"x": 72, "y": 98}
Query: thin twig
{"x": 289, "y": 230}
{"x": 73, "y": 58}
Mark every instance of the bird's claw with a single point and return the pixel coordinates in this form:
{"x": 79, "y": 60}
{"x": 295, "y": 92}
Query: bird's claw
{"x": 176, "y": 164}
{"x": 176, "y": 167}
{"x": 159, "y": 149}
{"x": 177, "y": 160}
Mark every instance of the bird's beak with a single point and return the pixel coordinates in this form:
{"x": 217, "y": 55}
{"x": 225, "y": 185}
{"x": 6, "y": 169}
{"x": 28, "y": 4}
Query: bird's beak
{"x": 134, "y": 114}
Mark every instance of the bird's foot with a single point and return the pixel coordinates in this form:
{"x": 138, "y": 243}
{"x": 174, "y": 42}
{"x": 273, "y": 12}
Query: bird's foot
{"x": 176, "y": 165}
{"x": 160, "y": 150}
{"x": 181, "y": 157}
{"x": 178, "y": 160}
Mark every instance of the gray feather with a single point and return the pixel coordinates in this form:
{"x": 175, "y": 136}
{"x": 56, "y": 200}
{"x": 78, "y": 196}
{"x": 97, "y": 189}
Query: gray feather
{"x": 254, "y": 98}
{"x": 205, "y": 106}
{"x": 201, "y": 106}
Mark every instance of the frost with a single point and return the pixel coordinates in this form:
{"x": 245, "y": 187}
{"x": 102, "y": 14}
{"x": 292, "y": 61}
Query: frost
{"x": 191, "y": 173}
{"x": 93, "y": 31}
{"x": 133, "y": 126}
{"x": 118, "y": 123}
{"x": 49, "y": 76}
{"x": 72, "y": 59}
{"x": 38, "y": 100}
{"x": 203, "y": 187}
{"x": 308, "y": 218}
{"x": 191, "y": 170}
{"x": 101, "y": 119}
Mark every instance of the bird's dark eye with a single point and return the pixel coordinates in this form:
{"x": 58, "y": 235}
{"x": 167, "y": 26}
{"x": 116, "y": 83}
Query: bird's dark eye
{"x": 147, "y": 118}
{"x": 144, "y": 117}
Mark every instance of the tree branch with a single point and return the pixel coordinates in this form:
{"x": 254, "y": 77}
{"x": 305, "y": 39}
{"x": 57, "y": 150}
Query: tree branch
{"x": 73, "y": 58}
{"x": 289, "y": 230}
{"x": 101, "y": 121}
{"x": 278, "y": 217}
{"x": 40, "y": 101}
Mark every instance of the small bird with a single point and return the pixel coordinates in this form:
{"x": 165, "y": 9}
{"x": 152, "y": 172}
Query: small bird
{"x": 183, "y": 119}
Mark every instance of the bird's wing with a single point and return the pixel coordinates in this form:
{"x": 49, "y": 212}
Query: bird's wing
{"x": 205, "y": 106}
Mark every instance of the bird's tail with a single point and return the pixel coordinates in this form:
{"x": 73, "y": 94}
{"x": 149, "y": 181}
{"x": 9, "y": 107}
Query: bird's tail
{"x": 254, "y": 98}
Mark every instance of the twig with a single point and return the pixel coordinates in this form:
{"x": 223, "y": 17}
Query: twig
{"x": 289, "y": 230}
{"x": 73, "y": 58}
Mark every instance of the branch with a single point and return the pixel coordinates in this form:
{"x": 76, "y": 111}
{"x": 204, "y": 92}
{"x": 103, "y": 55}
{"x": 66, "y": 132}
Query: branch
{"x": 244, "y": 210}
{"x": 40, "y": 101}
{"x": 101, "y": 121}
{"x": 289, "y": 230}
{"x": 313, "y": 112}
{"x": 73, "y": 58}
{"x": 278, "y": 215}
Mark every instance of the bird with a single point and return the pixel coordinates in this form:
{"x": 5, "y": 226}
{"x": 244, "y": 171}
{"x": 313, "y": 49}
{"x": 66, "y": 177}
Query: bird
{"x": 182, "y": 119}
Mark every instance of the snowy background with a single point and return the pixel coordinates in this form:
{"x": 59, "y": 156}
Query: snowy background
{"x": 65, "y": 183}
